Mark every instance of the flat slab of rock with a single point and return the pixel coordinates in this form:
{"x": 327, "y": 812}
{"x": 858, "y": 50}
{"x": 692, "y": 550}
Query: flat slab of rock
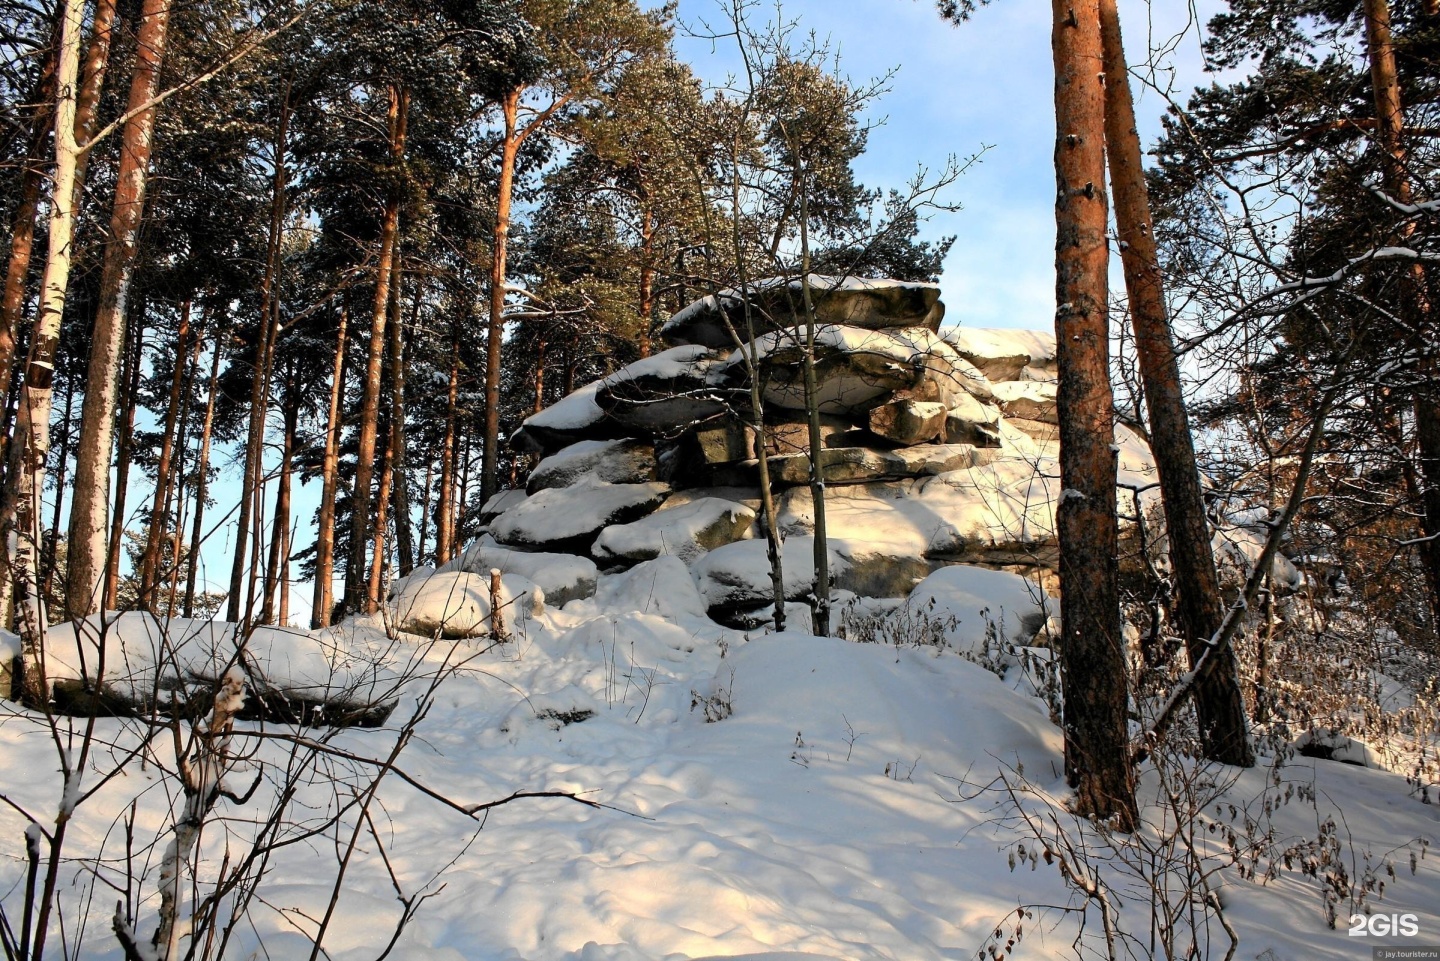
{"x": 577, "y": 416}
{"x": 686, "y": 531}
{"x": 567, "y": 519}
{"x": 970, "y": 422}
{"x": 715, "y": 320}
{"x": 563, "y": 577}
{"x": 627, "y": 461}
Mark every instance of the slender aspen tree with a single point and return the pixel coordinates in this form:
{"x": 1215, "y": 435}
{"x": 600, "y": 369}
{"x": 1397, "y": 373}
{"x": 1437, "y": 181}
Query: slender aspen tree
{"x": 514, "y": 137}
{"x": 1219, "y": 703}
{"x": 324, "y": 602}
{"x": 20, "y": 512}
{"x": 1092, "y": 655}
{"x": 88, "y": 513}
{"x": 356, "y": 582}
{"x": 22, "y": 229}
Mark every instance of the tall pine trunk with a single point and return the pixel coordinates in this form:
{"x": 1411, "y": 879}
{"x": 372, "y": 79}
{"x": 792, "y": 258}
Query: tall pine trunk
{"x": 399, "y": 483}
{"x": 279, "y": 561}
{"x": 324, "y": 602}
{"x": 266, "y": 335}
{"x": 510, "y": 150}
{"x": 1092, "y": 652}
{"x": 123, "y": 456}
{"x": 1219, "y": 703}
{"x": 356, "y": 584}
{"x": 1417, "y": 309}
{"x": 444, "y": 508}
{"x": 151, "y": 562}
{"x": 25, "y": 481}
{"x": 88, "y": 513}
{"x": 202, "y": 477}
{"x": 380, "y": 558}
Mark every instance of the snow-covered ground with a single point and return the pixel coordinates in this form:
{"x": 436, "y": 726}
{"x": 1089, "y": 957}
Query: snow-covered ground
{"x": 764, "y": 796}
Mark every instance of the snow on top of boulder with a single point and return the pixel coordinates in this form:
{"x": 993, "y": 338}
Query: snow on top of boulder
{"x": 558, "y": 514}
{"x": 997, "y": 342}
{"x": 686, "y": 531}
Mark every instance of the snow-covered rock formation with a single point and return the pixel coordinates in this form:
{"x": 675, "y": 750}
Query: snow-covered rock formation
{"x": 939, "y": 449}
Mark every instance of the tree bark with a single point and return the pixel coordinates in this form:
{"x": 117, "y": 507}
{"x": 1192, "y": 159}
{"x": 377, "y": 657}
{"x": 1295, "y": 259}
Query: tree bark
{"x": 425, "y": 509}
{"x": 22, "y": 231}
{"x": 97, "y": 417}
{"x": 67, "y": 434}
{"x": 444, "y": 509}
{"x": 325, "y": 536}
{"x": 202, "y": 479}
{"x": 25, "y": 481}
{"x": 510, "y": 150}
{"x": 275, "y": 570}
{"x": 1415, "y": 300}
{"x": 260, "y": 373}
{"x": 356, "y": 593}
{"x": 1092, "y": 653}
{"x": 399, "y": 482}
{"x": 375, "y": 586}
{"x": 1219, "y": 703}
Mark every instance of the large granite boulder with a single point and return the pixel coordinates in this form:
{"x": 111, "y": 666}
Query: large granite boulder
{"x": 907, "y": 421}
{"x": 568, "y": 518}
{"x": 716, "y": 321}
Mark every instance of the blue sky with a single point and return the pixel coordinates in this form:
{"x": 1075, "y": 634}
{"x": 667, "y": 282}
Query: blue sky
{"x": 987, "y": 82}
